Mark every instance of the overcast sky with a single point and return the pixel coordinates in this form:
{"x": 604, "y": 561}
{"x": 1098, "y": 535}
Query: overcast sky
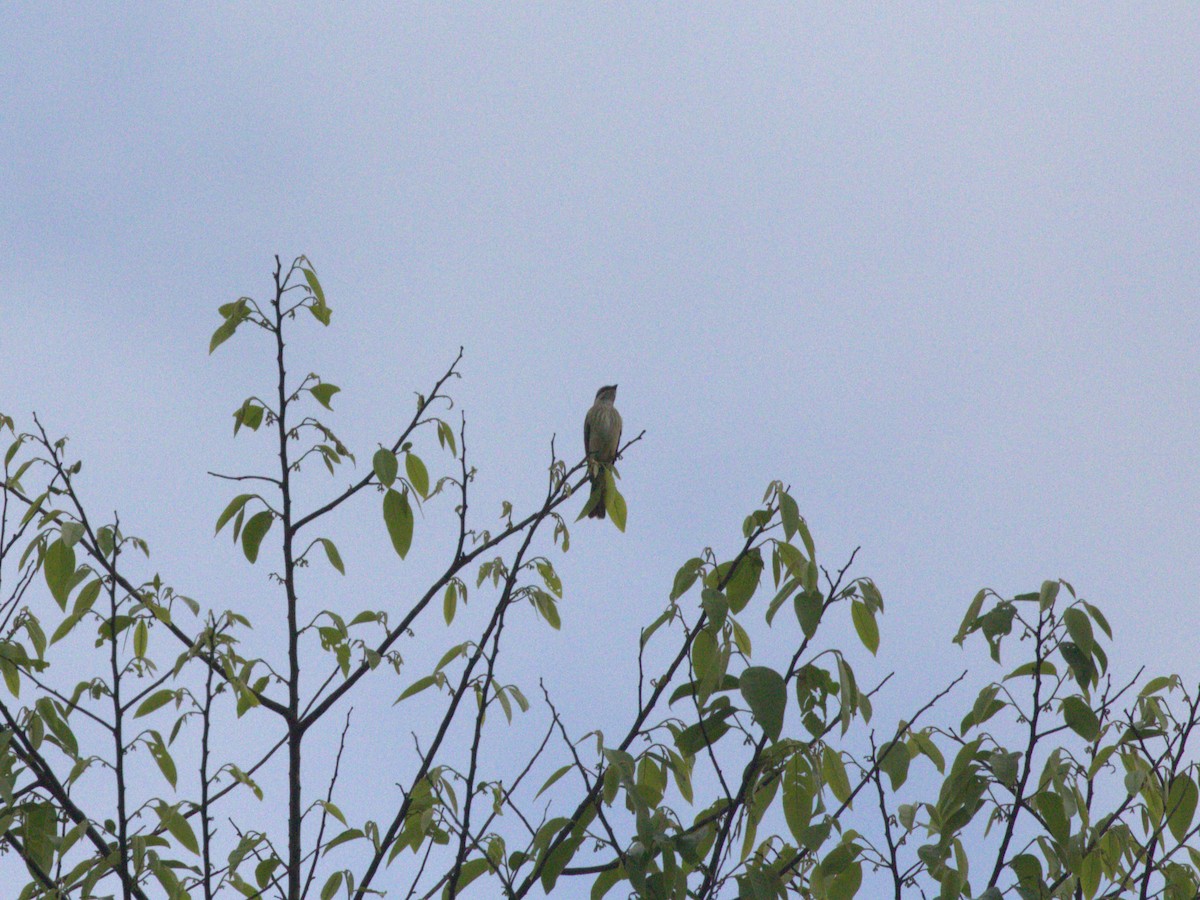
{"x": 936, "y": 268}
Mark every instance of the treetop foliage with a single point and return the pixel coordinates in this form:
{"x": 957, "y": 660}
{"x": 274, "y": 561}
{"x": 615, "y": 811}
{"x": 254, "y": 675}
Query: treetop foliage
{"x": 145, "y": 751}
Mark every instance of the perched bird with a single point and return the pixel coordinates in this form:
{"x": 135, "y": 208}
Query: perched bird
{"x": 601, "y": 438}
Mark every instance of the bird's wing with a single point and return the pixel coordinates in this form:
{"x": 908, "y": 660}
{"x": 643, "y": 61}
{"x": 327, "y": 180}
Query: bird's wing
{"x": 587, "y": 433}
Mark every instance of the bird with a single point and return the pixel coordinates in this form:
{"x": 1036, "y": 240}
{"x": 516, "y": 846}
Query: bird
{"x": 601, "y": 438}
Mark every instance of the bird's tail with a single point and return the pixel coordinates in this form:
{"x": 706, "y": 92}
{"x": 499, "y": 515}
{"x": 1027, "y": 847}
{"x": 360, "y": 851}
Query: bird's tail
{"x": 598, "y": 478}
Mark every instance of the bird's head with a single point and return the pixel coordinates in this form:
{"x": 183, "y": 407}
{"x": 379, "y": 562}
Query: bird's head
{"x": 607, "y": 394}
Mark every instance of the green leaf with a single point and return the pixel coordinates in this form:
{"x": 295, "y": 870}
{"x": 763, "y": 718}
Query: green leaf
{"x": 154, "y": 701}
{"x": 386, "y": 466}
{"x": 744, "y": 581}
{"x": 178, "y": 826}
{"x": 766, "y": 694}
{"x": 968, "y": 622}
{"x": 141, "y": 637}
{"x": 593, "y": 501}
{"x": 559, "y": 773}
{"x": 105, "y": 541}
{"x": 789, "y": 515}
{"x": 1044, "y": 667}
{"x": 417, "y": 473}
{"x": 1048, "y": 594}
{"x": 37, "y": 832}
{"x": 313, "y": 284}
{"x": 556, "y": 861}
{"x": 332, "y": 884}
{"x": 648, "y": 631}
{"x": 705, "y": 656}
{"x": 453, "y": 653}
{"x": 59, "y": 569}
{"x": 986, "y": 706}
{"x": 86, "y": 597}
{"x": 231, "y": 510}
{"x": 1099, "y": 618}
{"x": 1050, "y": 805}
{"x": 223, "y": 333}
{"x": 333, "y": 810}
{"x": 324, "y": 393}
{"x": 57, "y": 725}
{"x": 715, "y": 606}
{"x": 797, "y": 796}
{"x": 249, "y": 414}
{"x": 893, "y": 760}
{"x": 166, "y": 765}
{"x": 605, "y": 881}
{"x": 685, "y": 577}
{"x": 398, "y": 516}
{"x": 350, "y": 834}
{"x": 789, "y": 588}
{"x": 265, "y": 869}
{"x": 1006, "y": 767}
{"x": 320, "y": 312}
{"x": 547, "y": 608}
{"x": 704, "y": 733}
{"x": 335, "y": 558}
{"x": 12, "y": 676}
{"x": 846, "y": 884}
{"x": 70, "y": 533}
{"x": 741, "y": 638}
{"x": 417, "y": 686}
{"x": 805, "y": 537}
{"x": 550, "y": 577}
{"x": 1079, "y": 626}
{"x": 65, "y": 627}
{"x": 254, "y": 531}
{"x": 1181, "y": 806}
{"x": 446, "y": 436}
{"x": 1154, "y": 685}
{"x": 614, "y": 501}
{"x": 1080, "y": 718}
{"x": 1091, "y": 869}
{"x": 834, "y": 771}
{"x": 810, "y": 606}
{"x": 865, "y": 625}
{"x": 449, "y": 603}
{"x": 35, "y": 507}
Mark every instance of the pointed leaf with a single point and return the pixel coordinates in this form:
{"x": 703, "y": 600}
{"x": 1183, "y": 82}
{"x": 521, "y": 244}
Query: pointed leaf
{"x": 614, "y": 501}
{"x": 789, "y": 515}
{"x": 254, "y": 531}
{"x": 865, "y": 625}
{"x": 1181, "y": 806}
{"x": 154, "y": 701}
{"x": 314, "y": 285}
{"x": 1079, "y": 626}
{"x": 178, "y": 826}
{"x": 324, "y": 393}
{"x": 71, "y": 532}
{"x": 398, "y": 516}
{"x": 1080, "y": 718}
{"x": 59, "y": 568}
{"x": 766, "y": 694}
{"x": 834, "y": 771}
{"x": 417, "y": 473}
{"x": 386, "y": 466}
{"x": 335, "y": 558}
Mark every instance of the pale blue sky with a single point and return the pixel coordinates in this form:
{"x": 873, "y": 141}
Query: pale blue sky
{"x": 936, "y": 268}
